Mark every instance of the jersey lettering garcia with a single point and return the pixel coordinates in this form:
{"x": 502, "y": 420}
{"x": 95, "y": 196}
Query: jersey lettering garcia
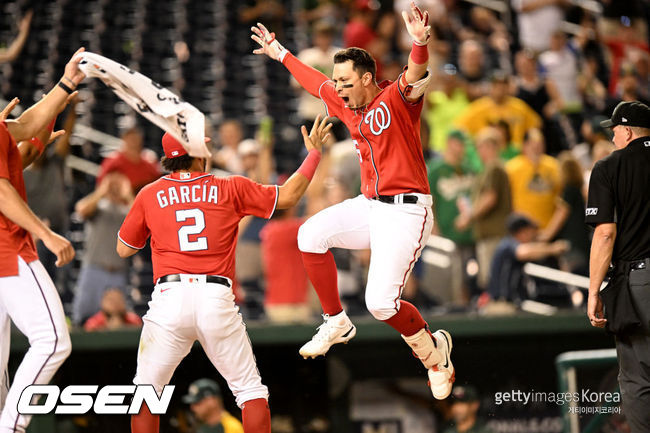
{"x": 386, "y": 136}
{"x": 193, "y": 219}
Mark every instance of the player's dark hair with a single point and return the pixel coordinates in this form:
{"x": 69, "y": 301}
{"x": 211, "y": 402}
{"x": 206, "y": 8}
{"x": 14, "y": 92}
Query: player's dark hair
{"x": 362, "y": 61}
{"x": 183, "y": 162}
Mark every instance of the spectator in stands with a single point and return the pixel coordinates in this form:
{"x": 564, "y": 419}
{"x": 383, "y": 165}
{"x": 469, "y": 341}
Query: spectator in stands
{"x": 10, "y": 53}
{"x": 537, "y": 20}
{"x": 443, "y": 105}
{"x": 571, "y": 219}
{"x": 113, "y": 314}
{"x": 50, "y": 203}
{"x": 359, "y": 31}
{"x": 560, "y": 65}
{"x": 285, "y": 298}
{"x": 472, "y": 69}
{"x": 592, "y": 133}
{"x": 319, "y": 56}
{"x": 542, "y": 95}
{"x": 534, "y": 180}
{"x": 226, "y": 157}
{"x": 451, "y": 183}
{"x": 206, "y": 403}
{"x": 507, "y": 150}
{"x": 465, "y": 404}
{"x": 256, "y": 161}
{"x": 103, "y": 211}
{"x": 498, "y": 105}
{"x": 627, "y": 89}
{"x": 139, "y": 165}
{"x": 507, "y": 279}
{"x": 491, "y": 204}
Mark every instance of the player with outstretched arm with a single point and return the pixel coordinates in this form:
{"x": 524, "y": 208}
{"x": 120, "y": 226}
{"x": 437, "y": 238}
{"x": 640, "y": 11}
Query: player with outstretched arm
{"x": 193, "y": 218}
{"x": 392, "y": 216}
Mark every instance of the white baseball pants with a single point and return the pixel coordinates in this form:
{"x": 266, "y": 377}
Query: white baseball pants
{"x": 31, "y": 301}
{"x": 183, "y": 312}
{"x": 395, "y": 234}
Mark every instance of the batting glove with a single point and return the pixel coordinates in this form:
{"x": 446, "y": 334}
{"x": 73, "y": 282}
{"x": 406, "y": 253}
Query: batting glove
{"x": 417, "y": 24}
{"x": 268, "y": 44}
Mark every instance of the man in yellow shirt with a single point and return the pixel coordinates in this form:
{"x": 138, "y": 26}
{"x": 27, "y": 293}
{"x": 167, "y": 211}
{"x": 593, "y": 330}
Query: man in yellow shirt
{"x": 499, "y": 105}
{"x": 535, "y": 181}
{"x": 204, "y": 398}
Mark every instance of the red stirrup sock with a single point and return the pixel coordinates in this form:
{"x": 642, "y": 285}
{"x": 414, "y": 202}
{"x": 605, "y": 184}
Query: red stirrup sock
{"x": 321, "y": 270}
{"x": 145, "y": 421}
{"x": 408, "y": 320}
{"x": 256, "y": 416}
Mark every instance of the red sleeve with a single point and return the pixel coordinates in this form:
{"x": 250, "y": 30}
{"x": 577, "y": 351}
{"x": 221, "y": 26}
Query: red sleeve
{"x": 309, "y": 78}
{"x": 134, "y": 231}
{"x": 252, "y": 198}
{"x": 5, "y": 144}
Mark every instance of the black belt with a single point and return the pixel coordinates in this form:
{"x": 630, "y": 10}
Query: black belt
{"x": 632, "y": 264}
{"x": 638, "y": 264}
{"x": 393, "y": 199}
{"x": 176, "y": 278}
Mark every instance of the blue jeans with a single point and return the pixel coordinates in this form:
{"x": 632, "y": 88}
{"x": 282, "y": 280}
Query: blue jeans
{"x": 93, "y": 282}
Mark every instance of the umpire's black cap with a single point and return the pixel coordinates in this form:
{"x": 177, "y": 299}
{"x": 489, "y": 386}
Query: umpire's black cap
{"x": 632, "y": 113}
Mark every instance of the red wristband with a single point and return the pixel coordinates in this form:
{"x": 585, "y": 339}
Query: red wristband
{"x": 38, "y": 144}
{"x": 308, "y": 167}
{"x": 50, "y": 127}
{"x": 419, "y": 54}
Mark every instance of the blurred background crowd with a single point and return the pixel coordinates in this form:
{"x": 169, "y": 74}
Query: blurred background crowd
{"x": 510, "y": 131}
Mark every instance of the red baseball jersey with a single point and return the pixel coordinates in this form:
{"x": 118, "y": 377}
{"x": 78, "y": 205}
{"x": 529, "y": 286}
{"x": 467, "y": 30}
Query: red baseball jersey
{"x": 193, "y": 220}
{"x": 386, "y": 135}
{"x": 14, "y": 240}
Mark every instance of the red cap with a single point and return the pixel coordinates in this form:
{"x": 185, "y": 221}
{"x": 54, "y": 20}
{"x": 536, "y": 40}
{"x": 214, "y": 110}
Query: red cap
{"x": 172, "y": 147}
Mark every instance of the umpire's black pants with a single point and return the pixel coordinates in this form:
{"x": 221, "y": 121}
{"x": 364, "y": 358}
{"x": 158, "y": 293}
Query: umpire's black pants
{"x": 633, "y": 352}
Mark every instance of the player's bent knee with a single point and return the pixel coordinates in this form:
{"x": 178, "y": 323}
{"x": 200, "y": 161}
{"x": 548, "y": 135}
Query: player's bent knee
{"x": 308, "y": 239}
{"x": 380, "y": 310}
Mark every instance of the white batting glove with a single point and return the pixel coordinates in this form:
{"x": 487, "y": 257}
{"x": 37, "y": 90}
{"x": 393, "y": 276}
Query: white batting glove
{"x": 417, "y": 25}
{"x": 268, "y": 44}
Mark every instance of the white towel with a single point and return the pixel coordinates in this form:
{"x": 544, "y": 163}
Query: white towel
{"x": 158, "y": 104}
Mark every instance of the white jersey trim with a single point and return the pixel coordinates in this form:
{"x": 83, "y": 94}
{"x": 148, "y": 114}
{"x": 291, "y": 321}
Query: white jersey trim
{"x": 186, "y": 180}
{"x": 275, "y": 204}
{"x": 327, "y": 108}
{"x": 129, "y": 245}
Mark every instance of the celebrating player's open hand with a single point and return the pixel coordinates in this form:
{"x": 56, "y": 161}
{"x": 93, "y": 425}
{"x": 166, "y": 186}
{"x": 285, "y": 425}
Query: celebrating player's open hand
{"x": 268, "y": 44}
{"x": 417, "y": 24}
{"x": 318, "y": 135}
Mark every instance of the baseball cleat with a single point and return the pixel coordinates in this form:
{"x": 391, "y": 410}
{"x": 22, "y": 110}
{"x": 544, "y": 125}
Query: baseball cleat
{"x": 442, "y": 375}
{"x": 333, "y": 330}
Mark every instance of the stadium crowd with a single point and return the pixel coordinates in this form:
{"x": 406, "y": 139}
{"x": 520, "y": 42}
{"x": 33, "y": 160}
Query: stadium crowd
{"x": 510, "y": 131}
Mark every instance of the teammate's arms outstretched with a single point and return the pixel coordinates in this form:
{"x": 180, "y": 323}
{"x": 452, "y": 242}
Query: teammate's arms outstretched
{"x": 292, "y": 190}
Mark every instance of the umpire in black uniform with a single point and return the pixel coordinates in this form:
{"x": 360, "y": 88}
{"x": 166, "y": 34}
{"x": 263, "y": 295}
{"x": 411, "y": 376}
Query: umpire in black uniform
{"x": 619, "y": 208}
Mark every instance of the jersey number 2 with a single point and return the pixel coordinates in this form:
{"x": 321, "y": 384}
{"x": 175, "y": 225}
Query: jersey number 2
{"x": 201, "y": 243}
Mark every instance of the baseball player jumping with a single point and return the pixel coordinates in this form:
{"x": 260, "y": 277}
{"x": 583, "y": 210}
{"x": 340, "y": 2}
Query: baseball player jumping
{"x": 192, "y": 218}
{"x": 27, "y": 294}
{"x": 393, "y": 214}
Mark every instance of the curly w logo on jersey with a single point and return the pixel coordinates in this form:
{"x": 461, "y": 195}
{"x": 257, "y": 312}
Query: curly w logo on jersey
{"x": 378, "y": 118}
